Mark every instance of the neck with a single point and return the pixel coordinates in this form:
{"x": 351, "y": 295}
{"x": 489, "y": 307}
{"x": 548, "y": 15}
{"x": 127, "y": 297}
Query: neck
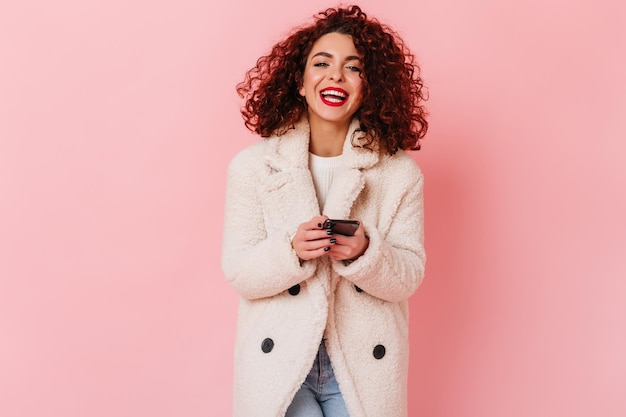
{"x": 327, "y": 139}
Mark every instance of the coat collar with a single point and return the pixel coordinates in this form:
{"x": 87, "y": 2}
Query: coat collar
{"x": 291, "y": 151}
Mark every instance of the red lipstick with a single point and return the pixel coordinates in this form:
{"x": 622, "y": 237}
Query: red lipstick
{"x": 333, "y": 96}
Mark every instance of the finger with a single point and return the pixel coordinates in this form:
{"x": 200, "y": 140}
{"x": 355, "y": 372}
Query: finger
{"x": 316, "y": 234}
{"x": 346, "y": 248}
{"x": 316, "y": 243}
{"x": 316, "y": 223}
{"x": 338, "y": 253}
{"x": 316, "y": 253}
{"x": 346, "y": 241}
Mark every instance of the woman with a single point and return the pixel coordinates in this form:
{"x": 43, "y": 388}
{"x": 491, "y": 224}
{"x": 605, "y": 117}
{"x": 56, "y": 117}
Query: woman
{"x": 323, "y": 318}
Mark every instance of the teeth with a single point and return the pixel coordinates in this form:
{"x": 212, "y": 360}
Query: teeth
{"x": 333, "y": 93}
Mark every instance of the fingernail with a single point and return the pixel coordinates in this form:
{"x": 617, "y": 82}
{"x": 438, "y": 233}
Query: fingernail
{"x": 333, "y": 240}
{"x": 319, "y": 225}
{"x": 327, "y": 248}
{"x": 329, "y": 232}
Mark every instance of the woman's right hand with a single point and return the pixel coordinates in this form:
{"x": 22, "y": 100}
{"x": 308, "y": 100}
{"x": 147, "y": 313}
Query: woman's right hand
{"x": 311, "y": 239}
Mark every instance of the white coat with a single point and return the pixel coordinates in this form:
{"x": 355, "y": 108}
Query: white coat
{"x": 287, "y": 306}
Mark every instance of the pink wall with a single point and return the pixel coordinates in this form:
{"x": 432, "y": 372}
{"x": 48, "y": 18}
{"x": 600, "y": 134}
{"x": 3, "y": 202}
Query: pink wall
{"x": 117, "y": 120}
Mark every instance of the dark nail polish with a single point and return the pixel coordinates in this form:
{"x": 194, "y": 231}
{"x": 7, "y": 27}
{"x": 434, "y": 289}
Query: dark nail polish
{"x": 329, "y": 232}
{"x": 333, "y": 240}
{"x": 327, "y": 248}
{"x": 319, "y": 225}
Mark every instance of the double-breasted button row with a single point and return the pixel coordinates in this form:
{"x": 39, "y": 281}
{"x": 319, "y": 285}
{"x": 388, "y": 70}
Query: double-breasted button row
{"x": 295, "y": 290}
{"x": 268, "y": 344}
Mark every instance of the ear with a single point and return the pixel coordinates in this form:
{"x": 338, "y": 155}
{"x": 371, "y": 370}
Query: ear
{"x": 301, "y": 91}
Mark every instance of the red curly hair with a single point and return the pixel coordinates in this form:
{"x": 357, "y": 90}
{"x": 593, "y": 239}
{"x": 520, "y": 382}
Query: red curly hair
{"x": 391, "y": 114}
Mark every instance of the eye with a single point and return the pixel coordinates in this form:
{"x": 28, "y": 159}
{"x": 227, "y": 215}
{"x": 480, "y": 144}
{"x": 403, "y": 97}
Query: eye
{"x": 320, "y": 64}
{"x": 353, "y": 68}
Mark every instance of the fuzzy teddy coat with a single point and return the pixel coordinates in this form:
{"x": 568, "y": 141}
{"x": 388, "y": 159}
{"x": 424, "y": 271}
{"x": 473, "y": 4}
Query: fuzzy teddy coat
{"x": 287, "y": 306}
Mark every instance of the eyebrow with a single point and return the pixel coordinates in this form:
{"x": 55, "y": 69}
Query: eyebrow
{"x": 327, "y": 55}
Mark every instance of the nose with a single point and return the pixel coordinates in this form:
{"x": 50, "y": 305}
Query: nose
{"x": 336, "y": 74}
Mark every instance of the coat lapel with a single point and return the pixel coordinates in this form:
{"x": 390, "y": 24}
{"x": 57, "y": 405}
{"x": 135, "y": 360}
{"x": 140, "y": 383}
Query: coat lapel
{"x": 287, "y": 191}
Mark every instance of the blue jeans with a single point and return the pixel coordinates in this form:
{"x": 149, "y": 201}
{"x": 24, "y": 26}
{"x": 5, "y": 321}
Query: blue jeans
{"x": 319, "y": 395}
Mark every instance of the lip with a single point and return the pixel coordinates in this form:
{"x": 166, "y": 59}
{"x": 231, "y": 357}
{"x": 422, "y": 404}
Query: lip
{"x": 332, "y": 92}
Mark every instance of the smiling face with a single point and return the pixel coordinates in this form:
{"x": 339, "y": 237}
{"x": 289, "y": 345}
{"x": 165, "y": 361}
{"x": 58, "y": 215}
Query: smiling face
{"x": 332, "y": 84}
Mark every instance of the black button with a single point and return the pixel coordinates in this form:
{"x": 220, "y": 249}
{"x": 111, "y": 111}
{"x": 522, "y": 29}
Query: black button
{"x": 295, "y": 290}
{"x": 358, "y": 289}
{"x": 267, "y": 345}
{"x": 379, "y": 351}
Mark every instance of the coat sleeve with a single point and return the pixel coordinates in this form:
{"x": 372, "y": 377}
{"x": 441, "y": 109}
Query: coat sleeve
{"x": 258, "y": 262}
{"x": 393, "y": 265}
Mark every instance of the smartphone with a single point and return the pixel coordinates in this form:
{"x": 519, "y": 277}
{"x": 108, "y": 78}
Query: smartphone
{"x": 342, "y": 227}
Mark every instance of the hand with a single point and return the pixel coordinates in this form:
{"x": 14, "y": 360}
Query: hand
{"x": 311, "y": 240}
{"x": 349, "y": 247}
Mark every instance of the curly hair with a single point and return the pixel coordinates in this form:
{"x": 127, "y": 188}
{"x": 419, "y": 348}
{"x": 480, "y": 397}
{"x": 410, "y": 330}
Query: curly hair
{"x": 391, "y": 113}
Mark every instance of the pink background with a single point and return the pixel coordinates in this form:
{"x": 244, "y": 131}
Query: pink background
{"x": 117, "y": 120}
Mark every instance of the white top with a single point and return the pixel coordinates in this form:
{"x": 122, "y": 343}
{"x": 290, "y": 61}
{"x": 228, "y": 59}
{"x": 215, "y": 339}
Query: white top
{"x": 322, "y": 170}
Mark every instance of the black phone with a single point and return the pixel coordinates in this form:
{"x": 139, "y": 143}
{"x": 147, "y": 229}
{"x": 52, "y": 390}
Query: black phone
{"x": 342, "y": 227}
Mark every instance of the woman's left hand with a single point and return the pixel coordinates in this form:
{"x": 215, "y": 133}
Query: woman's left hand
{"x": 349, "y": 247}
